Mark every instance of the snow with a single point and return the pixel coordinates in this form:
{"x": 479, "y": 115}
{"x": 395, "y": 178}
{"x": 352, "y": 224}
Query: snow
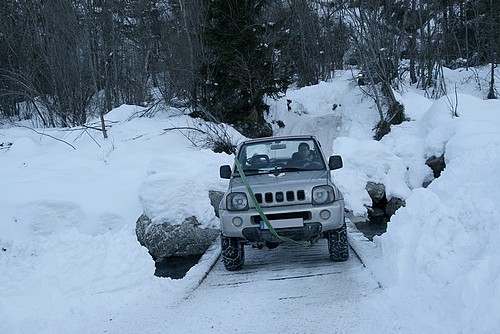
{"x": 69, "y": 256}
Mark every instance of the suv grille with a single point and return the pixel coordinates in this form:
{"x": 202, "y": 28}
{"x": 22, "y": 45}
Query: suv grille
{"x": 279, "y": 196}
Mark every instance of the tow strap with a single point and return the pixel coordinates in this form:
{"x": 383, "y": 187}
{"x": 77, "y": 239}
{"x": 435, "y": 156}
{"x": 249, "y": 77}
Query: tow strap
{"x": 259, "y": 209}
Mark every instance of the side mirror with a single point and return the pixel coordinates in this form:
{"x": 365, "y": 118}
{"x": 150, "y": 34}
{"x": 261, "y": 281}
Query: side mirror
{"x": 225, "y": 172}
{"x": 335, "y": 162}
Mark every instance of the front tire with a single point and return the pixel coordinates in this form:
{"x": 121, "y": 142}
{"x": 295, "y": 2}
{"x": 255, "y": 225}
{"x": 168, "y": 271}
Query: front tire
{"x": 233, "y": 253}
{"x": 338, "y": 246}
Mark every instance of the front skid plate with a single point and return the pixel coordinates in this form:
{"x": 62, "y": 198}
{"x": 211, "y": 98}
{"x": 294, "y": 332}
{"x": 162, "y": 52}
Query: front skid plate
{"x": 310, "y": 231}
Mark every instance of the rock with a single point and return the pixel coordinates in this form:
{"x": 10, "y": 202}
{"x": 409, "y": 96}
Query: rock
{"x": 376, "y": 191}
{"x": 215, "y": 198}
{"x": 393, "y": 205}
{"x": 375, "y": 212}
{"x": 254, "y": 129}
{"x": 167, "y": 240}
{"x": 380, "y": 206}
{"x": 437, "y": 165}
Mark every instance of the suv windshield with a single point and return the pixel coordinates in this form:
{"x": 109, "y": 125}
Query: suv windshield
{"x": 281, "y": 156}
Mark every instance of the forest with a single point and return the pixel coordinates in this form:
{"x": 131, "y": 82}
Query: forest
{"x": 63, "y": 62}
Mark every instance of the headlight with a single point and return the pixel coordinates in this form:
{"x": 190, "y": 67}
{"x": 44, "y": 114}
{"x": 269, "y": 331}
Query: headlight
{"x": 322, "y": 195}
{"x": 237, "y": 202}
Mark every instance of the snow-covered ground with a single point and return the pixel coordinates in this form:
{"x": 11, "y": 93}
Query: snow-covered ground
{"x": 69, "y": 255}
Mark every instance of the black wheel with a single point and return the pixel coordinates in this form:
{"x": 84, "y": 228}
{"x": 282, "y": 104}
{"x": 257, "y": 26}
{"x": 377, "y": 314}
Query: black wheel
{"x": 233, "y": 253}
{"x": 338, "y": 246}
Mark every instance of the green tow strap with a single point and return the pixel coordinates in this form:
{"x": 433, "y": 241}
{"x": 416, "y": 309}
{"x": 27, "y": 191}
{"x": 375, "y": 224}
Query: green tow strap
{"x": 259, "y": 209}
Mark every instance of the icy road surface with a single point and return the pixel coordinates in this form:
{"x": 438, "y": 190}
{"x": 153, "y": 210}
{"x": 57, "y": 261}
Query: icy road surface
{"x": 290, "y": 289}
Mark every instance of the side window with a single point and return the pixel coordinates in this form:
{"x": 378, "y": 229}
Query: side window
{"x": 243, "y": 157}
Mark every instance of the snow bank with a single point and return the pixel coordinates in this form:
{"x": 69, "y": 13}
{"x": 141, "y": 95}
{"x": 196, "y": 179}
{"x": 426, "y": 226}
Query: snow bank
{"x": 177, "y": 187}
{"x": 368, "y": 160}
{"x": 69, "y": 200}
{"x": 440, "y": 253}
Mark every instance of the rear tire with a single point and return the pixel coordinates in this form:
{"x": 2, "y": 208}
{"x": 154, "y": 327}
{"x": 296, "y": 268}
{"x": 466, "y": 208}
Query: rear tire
{"x": 233, "y": 253}
{"x": 338, "y": 246}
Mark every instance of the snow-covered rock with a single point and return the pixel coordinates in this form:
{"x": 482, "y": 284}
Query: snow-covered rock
{"x": 166, "y": 240}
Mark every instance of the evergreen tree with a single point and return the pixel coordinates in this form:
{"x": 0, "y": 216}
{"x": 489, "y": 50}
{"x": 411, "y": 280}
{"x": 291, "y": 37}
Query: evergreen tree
{"x": 242, "y": 64}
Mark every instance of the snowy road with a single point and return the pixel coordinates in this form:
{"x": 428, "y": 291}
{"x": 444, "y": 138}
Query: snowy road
{"x": 275, "y": 287}
{"x": 290, "y": 289}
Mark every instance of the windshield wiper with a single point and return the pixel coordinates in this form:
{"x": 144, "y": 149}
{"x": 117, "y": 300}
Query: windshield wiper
{"x": 253, "y": 171}
{"x": 291, "y": 169}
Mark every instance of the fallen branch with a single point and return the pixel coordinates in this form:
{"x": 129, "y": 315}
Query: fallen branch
{"x": 44, "y": 134}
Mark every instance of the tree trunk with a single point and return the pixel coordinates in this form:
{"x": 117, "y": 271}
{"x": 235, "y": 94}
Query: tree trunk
{"x": 491, "y": 93}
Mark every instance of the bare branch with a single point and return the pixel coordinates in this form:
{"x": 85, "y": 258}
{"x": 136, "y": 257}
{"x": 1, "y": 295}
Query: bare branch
{"x": 44, "y": 134}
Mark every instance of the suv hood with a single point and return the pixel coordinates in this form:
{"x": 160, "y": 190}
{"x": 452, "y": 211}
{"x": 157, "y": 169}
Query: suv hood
{"x": 281, "y": 181}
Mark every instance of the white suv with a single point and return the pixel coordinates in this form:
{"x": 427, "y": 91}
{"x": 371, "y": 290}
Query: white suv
{"x": 284, "y": 193}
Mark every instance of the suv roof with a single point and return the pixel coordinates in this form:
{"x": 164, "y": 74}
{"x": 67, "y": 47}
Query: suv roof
{"x": 257, "y": 140}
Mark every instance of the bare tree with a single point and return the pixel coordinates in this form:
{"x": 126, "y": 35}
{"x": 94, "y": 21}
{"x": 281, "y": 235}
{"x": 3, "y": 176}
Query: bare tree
{"x": 181, "y": 51}
{"x": 494, "y": 41}
{"x": 64, "y": 61}
{"x": 379, "y": 46}
{"x": 51, "y": 67}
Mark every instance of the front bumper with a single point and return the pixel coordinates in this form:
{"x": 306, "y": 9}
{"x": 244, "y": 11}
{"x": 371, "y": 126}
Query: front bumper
{"x": 316, "y": 219}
